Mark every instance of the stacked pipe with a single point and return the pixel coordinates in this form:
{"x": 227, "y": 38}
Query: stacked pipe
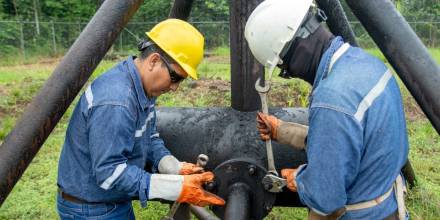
{"x": 52, "y": 101}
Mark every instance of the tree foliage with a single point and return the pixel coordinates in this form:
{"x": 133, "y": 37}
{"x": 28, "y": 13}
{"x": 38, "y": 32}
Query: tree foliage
{"x": 83, "y": 10}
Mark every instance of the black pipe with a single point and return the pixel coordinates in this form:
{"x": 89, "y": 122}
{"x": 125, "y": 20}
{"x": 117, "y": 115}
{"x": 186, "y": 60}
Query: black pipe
{"x": 181, "y": 9}
{"x": 46, "y": 109}
{"x": 337, "y": 20}
{"x": 405, "y": 52}
{"x": 202, "y": 213}
{"x": 223, "y": 134}
{"x": 409, "y": 174}
{"x": 245, "y": 69}
{"x": 238, "y": 202}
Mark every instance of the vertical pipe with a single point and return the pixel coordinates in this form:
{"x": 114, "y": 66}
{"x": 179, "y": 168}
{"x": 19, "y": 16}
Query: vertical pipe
{"x": 181, "y": 9}
{"x": 337, "y": 20}
{"x": 46, "y": 109}
{"x": 238, "y": 204}
{"x": 245, "y": 69}
{"x": 405, "y": 52}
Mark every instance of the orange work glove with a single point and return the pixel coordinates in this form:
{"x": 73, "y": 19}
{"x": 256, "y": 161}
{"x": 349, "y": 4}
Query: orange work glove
{"x": 189, "y": 168}
{"x": 193, "y": 193}
{"x": 267, "y": 126}
{"x": 290, "y": 176}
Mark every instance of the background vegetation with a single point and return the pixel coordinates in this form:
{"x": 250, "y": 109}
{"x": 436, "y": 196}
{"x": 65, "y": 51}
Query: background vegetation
{"x": 23, "y": 72}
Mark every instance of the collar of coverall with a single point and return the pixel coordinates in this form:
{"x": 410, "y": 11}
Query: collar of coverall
{"x": 303, "y": 57}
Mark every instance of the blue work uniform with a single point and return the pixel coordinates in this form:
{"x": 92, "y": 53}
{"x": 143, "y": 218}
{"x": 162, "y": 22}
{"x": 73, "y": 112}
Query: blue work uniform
{"x": 357, "y": 141}
{"x": 110, "y": 138}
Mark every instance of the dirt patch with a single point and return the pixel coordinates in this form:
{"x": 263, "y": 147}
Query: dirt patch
{"x": 46, "y": 63}
{"x": 413, "y": 111}
{"x": 207, "y": 85}
{"x": 217, "y": 59}
{"x": 3, "y": 95}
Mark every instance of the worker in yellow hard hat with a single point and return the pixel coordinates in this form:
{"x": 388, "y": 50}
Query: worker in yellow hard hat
{"x": 112, "y": 134}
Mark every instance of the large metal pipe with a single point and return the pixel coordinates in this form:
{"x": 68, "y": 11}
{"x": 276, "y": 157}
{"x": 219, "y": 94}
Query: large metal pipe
{"x": 405, "y": 52}
{"x": 245, "y": 69}
{"x": 181, "y": 9}
{"x": 224, "y": 134}
{"x": 337, "y": 20}
{"x": 46, "y": 109}
{"x": 238, "y": 203}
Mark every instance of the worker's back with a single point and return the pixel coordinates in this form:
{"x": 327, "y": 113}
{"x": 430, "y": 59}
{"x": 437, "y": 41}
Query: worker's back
{"x": 357, "y": 140}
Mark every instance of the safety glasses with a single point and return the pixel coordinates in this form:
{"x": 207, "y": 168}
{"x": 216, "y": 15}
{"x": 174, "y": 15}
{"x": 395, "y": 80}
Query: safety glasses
{"x": 175, "y": 78}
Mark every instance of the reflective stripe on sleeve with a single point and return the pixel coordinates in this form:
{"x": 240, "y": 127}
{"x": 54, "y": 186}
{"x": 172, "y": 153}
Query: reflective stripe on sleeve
{"x": 109, "y": 181}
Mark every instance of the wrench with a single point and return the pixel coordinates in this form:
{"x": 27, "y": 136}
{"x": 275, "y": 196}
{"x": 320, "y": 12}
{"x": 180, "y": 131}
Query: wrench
{"x": 202, "y": 160}
{"x": 273, "y": 183}
{"x": 262, "y": 91}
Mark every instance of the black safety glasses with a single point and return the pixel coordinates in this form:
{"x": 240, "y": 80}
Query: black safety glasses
{"x": 175, "y": 78}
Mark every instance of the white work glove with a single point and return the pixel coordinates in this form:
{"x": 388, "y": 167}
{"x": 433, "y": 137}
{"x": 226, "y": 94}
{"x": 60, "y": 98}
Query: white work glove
{"x": 183, "y": 188}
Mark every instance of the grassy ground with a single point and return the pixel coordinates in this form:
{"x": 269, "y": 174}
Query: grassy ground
{"x": 34, "y": 195}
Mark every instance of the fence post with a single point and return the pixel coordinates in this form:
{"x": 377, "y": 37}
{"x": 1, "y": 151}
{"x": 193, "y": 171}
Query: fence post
{"x": 54, "y": 44}
{"x": 120, "y": 40}
{"x": 22, "y": 39}
{"x": 79, "y": 28}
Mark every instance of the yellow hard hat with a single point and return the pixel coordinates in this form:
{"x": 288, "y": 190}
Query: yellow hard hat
{"x": 181, "y": 41}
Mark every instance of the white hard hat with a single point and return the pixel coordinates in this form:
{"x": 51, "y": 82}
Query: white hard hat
{"x": 271, "y": 25}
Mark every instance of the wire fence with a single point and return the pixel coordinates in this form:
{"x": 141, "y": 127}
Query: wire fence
{"x": 52, "y": 38}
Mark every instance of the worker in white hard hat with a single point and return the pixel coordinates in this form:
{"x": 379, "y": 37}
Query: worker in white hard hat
{"x": 356, "y": 141}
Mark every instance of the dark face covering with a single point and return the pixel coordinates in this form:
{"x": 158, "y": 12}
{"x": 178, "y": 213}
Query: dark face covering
{"x": 302, "y": 59}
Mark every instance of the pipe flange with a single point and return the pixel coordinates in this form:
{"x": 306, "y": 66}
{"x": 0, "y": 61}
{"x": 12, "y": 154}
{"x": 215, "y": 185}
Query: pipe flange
{"x": 245, "y": 171}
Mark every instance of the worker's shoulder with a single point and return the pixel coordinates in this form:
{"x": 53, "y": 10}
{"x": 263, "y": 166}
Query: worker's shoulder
{"x": 113, "y": 87}
{"x": 359, "y": 63}
{"x": 351, "y": 78}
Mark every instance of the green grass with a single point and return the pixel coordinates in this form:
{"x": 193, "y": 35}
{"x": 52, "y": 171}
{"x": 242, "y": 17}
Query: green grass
{"x": 34, "y": 195}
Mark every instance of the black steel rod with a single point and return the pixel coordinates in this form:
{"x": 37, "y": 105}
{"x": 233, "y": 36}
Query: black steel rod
{"x": 405, "y": 52}
{"x": 238, "y": 203}
{"x": 202, "y": 213}
{"x": 337, "y": 20}
{"x": 46, "y": 109}
{"x": 245, "y": 69}
{"x": 181, "y": 9}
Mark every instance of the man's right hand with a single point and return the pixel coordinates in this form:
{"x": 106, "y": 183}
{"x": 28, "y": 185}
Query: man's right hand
{"x": 193, "y": 193}
{"x": 267, "y": 126}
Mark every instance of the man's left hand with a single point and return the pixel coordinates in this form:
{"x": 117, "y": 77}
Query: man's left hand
{"x": 189, "y": 168}
{"x": 290, "y": 176}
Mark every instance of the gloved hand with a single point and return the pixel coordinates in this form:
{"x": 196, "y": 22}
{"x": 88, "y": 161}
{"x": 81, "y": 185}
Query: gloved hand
{"x": 171, "y": 165}
{"x": 193, "y": 193}
{"x": 183, "y": 188}
{"x": 189, "y": 168}
{"x": 290, "y": 176}
{"x": 267, "y": 126}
